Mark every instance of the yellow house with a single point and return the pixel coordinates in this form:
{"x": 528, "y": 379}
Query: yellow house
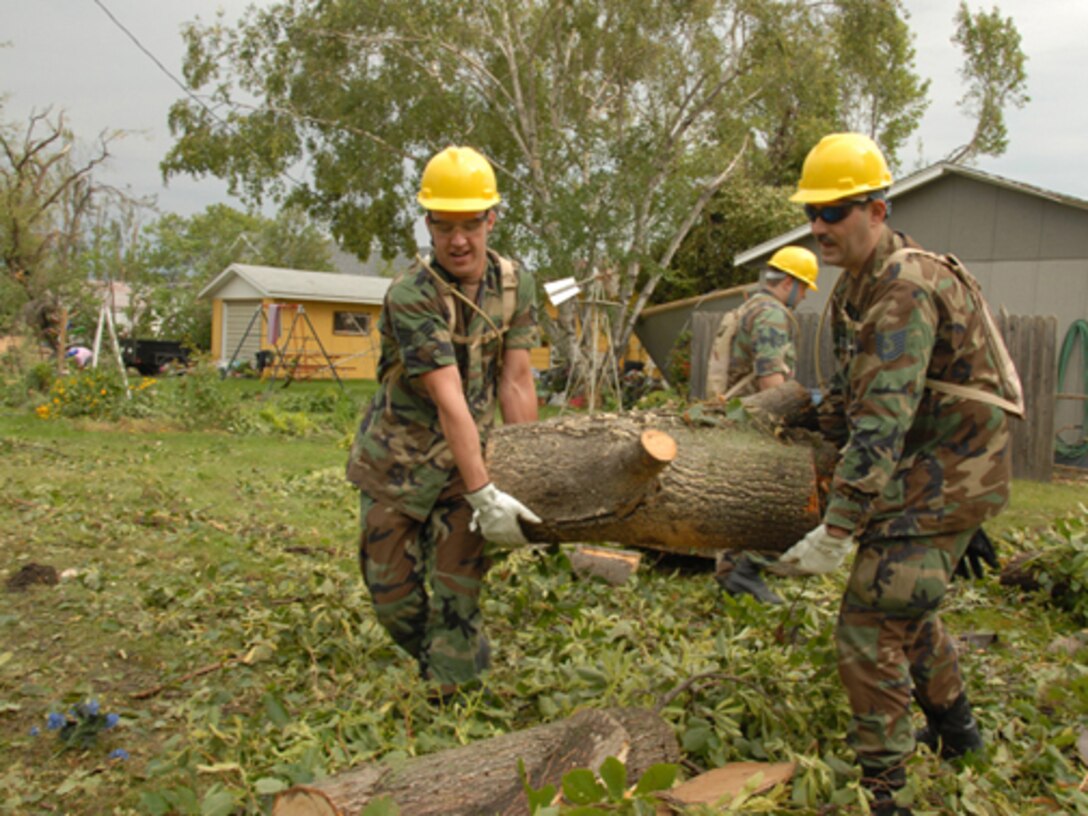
{"x": 305, "y": 323}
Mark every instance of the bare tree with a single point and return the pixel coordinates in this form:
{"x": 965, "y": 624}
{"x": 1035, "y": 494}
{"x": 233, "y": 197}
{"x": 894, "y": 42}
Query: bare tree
{"x": 46, "y": 195}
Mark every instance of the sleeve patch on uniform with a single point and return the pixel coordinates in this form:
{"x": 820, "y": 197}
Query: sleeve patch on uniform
{"x": 891, "y": 345}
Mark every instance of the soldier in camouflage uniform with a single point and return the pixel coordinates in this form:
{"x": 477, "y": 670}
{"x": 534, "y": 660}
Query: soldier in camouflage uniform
{"x": 755, "y": 350}
{"x": 918, "y": 404}
{"x": 456, "y": 330}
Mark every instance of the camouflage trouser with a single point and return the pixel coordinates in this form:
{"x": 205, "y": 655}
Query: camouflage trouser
{"x": 425, "y": 580}
{"x": 890, "y": 635}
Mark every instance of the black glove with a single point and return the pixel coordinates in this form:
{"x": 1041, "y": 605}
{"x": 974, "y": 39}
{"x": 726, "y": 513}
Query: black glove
{"x": 979, "y": 550}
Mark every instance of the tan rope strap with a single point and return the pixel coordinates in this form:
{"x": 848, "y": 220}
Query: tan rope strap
{"x": 444, "y": 286}
{"x": 1006, "y": 369}
{"x": 977, "y": 394}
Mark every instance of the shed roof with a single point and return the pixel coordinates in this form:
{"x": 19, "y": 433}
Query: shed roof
{"x": 912, "y": 182}
{"x": 298, "y": 284}
{"x": 697, "y": 301}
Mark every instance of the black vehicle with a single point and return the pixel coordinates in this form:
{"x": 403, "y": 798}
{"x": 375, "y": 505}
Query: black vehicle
{"x": 149, "y": 356}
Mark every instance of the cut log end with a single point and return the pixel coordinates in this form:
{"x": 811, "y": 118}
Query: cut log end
{"x": 659, "y": 446}
{"x": 303, "y": 801}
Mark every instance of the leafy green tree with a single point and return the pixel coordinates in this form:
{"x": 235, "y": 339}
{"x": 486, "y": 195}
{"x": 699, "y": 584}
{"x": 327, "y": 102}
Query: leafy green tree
{"x": 612, "y": 123}
{"x": 887, "y": 105}
{"x": 994, "y": 69}
{"x": 825, "y": 67}
{"x": 740, "y": 216}
{"x": 179, "y": 255}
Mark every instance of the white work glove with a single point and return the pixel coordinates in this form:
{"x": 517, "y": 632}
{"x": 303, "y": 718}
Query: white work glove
{"x": 818, "y": 552}
{"x": 496, "y": 515}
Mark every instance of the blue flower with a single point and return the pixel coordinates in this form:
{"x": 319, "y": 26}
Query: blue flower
{"x": 34, "y": 731}
{"x": 119, "y": 753}
{"x": 91, "y": 708}
{"x": 112, "y": 720}
{"x": 55, "y": 721}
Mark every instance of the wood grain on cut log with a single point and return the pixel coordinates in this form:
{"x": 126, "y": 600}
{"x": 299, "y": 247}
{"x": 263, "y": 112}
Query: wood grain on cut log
{"x": 482, "y": 778}
{"x": 605, "y": 478}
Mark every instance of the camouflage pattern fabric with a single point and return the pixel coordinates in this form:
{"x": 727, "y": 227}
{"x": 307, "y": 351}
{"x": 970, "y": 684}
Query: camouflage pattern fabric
{"x": 918, "y": 472}
{"x": 425, "y": 580}
{"x": 764, "y": 342}
{"x": 399, "y": 455}
{"x": 421, "y": 563}
{"x": 915, "y": 462}
{"x": 889, "y": 634}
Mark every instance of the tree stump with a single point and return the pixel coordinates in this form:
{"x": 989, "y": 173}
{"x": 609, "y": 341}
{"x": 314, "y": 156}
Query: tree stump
{"x": 482, "y": 779}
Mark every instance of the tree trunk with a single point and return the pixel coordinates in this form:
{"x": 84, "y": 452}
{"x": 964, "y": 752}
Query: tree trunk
{"x": 482, "y": 778}
{"x": 693, "y": 483}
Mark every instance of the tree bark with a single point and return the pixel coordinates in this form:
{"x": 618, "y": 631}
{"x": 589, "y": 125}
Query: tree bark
{"x": 721, "y": 484}
{"x": 482, "y": 778}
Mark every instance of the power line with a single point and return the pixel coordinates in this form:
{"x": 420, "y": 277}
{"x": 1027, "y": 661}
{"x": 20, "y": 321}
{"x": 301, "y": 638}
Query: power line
{"x": 185, "y": 88}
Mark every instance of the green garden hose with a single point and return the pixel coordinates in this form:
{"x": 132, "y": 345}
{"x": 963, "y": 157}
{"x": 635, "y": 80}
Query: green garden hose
{"x": 1077, "y": 331}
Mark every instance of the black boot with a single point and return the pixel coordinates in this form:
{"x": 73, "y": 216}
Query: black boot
{"x": 745, "y": 579}
{"x": 953, "y": 729}
{"x": 883, "y": 784}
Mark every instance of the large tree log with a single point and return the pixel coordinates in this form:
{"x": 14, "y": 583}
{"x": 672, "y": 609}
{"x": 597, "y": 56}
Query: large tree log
{"x": 721, "y": 484}
{"x": 482, "y": 778}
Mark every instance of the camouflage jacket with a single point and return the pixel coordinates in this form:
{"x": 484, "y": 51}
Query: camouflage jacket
{"x": 759, "y": 337}
{"x": 913, "y": 461}
{"x": 765, "y": 339}
{"x": 400, "y": 456}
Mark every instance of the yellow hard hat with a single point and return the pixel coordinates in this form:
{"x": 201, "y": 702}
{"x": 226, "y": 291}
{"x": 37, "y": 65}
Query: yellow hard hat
{"x": 458, "y": 179}
{"x": 842, "y": 165}
{"x": 797, "y": 262}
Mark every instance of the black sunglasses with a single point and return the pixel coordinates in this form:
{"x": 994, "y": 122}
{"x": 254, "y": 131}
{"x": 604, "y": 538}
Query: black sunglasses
{"x": 833, "y": 213}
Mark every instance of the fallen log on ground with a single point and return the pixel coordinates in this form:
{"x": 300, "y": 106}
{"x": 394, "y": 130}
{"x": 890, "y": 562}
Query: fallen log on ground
{"x": 691, "y": 483}
{"x": 483, "y": 778}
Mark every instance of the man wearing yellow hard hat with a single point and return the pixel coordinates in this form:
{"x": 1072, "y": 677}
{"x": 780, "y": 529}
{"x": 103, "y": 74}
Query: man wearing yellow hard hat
{"x": 753, "y": 350}
{"x": 918, "y": 406}
{"x": 456, "y": 333}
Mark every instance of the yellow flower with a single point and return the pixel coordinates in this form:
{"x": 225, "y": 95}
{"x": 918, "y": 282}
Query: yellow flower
{"x": 42, "y": 411}
{"x": 103, "y": 392}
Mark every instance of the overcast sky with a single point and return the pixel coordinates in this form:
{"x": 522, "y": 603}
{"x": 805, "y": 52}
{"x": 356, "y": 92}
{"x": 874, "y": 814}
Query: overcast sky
{"x": 70, "y": 55}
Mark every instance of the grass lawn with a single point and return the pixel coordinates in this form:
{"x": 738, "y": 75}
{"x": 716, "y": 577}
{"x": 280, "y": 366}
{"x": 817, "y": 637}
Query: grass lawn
{"x": 210, "y": 596}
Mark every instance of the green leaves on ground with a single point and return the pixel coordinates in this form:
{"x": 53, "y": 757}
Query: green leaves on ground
{"x": 210, "y": 595}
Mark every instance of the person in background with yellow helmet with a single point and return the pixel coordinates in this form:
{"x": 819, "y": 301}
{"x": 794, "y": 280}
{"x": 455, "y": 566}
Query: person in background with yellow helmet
{"x": 918, "y": 407}
{"x": 753, "y": 350}
{"x": 456, "y": 331}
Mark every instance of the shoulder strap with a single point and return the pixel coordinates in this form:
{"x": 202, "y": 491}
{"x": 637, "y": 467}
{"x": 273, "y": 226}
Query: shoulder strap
{"x": 721, "y": 353}
{"x": 509, "y": 273}
{"x": 449, "y": 293}
{"x": 1013, "y": 403}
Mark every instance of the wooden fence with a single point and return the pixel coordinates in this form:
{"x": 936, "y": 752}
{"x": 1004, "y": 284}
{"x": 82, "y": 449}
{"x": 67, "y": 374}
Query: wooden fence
{"x": 1032, "y": 344}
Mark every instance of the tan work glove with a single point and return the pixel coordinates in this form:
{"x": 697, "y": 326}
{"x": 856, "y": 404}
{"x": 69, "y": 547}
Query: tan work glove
{"x": 496, "y": 515}
{"x": 818, "y": 552}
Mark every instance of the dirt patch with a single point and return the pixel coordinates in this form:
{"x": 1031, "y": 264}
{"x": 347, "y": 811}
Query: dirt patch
{"x": 31, "y": 574}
